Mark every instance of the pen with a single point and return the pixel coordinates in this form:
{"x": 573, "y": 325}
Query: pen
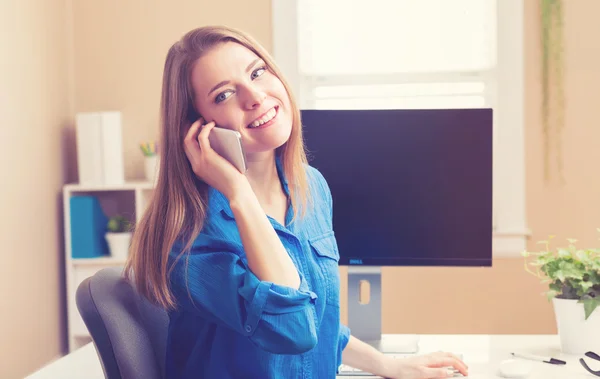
{"x": 532, "y": 357}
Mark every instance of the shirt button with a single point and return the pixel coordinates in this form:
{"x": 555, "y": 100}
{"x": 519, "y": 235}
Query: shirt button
{"x": 248, "y": 328}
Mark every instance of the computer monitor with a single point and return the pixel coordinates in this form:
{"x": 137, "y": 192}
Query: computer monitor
{"x": 409, "y": 188}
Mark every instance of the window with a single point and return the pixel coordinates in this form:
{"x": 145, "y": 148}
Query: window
{"x": 340, "y": 54}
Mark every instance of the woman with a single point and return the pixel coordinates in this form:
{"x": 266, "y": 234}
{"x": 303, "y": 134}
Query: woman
{"x": 246, "y": 264}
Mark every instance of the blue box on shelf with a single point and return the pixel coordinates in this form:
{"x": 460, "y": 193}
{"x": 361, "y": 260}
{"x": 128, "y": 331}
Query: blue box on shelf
{"x": 88, "y": 226}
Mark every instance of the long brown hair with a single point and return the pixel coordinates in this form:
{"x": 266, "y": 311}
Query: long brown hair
{"x": 178, "y": 207}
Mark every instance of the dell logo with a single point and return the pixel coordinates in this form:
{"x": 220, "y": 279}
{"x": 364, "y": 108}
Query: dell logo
{"x": 356, "y": 261}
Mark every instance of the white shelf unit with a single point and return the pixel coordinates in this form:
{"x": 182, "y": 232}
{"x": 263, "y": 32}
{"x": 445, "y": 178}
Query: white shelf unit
{"x": 131, "y": 199}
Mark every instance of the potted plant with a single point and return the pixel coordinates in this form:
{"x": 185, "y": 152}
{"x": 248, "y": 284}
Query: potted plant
{"x": 573, "y": 278}
{"x": 118, "y": 236}
{"x": 151, "y": 160}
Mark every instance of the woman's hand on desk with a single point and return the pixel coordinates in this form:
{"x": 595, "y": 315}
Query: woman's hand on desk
{"x": 365, "y": 357}
{"x": 428, "y": 366}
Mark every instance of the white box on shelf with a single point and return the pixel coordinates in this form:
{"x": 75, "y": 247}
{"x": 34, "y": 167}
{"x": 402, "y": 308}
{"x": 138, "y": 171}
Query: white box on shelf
{"x": 99, "y": 148}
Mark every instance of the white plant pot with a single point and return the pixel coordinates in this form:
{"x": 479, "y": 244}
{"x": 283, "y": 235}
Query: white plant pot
{"x": 118, "y": 244}
{"x": 151, "y": 168}
{"x": 577, "y": 335}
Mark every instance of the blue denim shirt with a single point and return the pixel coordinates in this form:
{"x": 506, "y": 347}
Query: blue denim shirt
{"x": 230, "y": 324}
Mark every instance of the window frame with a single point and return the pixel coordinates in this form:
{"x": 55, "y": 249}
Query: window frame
{"x": 505, "y": 87}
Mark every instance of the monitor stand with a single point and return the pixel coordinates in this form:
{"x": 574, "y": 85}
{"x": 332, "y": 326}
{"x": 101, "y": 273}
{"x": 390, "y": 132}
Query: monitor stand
{"x": 364, "y": 319}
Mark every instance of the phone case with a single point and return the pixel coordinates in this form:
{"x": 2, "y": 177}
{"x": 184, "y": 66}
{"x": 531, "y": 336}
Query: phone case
{"x": 228, "y": 144}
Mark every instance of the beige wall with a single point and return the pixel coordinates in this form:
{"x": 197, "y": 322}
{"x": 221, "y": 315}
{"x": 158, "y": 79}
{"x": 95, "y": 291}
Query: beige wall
{"x": 33, "y": 111}
{"x": 572, "y": 208}
{"x": 118, "y": 53}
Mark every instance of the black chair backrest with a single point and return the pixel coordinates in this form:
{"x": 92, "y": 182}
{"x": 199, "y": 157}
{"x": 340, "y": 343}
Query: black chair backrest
{"x": 129, "y": 332}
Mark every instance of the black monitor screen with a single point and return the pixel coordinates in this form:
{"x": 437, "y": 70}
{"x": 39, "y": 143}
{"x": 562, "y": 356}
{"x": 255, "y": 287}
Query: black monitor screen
{"x": 409, "y": 187}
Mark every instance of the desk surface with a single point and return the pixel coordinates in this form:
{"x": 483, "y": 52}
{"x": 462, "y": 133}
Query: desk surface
{"x": 482, "y": 353}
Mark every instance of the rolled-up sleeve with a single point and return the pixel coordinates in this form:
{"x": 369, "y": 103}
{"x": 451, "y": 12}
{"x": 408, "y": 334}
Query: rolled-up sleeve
{"x": 221, "y": 288}
{"x": 344, "y": 337}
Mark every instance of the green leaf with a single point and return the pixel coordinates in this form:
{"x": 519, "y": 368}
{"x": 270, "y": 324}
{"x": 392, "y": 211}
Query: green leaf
{"x": 571, "y": 240}
{"x": 594, "y": 277}
{"x": 594, "y": 264}
{"x": 583, "y": 255}
{"x": 550, "y": 269}
{"x": 555, "y": 286}
{"x": 571, "y": 270}
{"x": 585, "y": 286}
{"x": 589, "y": 305}
{"x": 558, "y": 274}
{"x": 564, "y": 253}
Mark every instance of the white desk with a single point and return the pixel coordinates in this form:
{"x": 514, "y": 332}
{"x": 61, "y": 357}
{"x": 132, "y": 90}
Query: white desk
{"x": 482, "y": 353}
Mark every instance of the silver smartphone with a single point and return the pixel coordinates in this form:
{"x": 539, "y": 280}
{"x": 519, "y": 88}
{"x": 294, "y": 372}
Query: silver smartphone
{"x": 228, "y": 144}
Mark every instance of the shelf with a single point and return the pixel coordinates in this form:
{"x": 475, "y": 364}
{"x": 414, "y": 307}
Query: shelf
{"x": 130, "y": 198}
{"x": 127, "y": 186}
{"x": 100, "y": 261}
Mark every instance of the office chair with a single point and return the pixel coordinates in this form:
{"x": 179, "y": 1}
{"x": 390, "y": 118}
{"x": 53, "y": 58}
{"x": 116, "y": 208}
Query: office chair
{"x": 129, "y": 333}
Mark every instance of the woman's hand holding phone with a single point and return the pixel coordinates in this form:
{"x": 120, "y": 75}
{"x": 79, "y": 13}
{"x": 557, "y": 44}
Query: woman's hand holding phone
{"x": 208, "y": 165}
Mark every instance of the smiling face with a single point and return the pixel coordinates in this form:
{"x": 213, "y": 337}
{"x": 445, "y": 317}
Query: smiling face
{"x": 234, "y": 88}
